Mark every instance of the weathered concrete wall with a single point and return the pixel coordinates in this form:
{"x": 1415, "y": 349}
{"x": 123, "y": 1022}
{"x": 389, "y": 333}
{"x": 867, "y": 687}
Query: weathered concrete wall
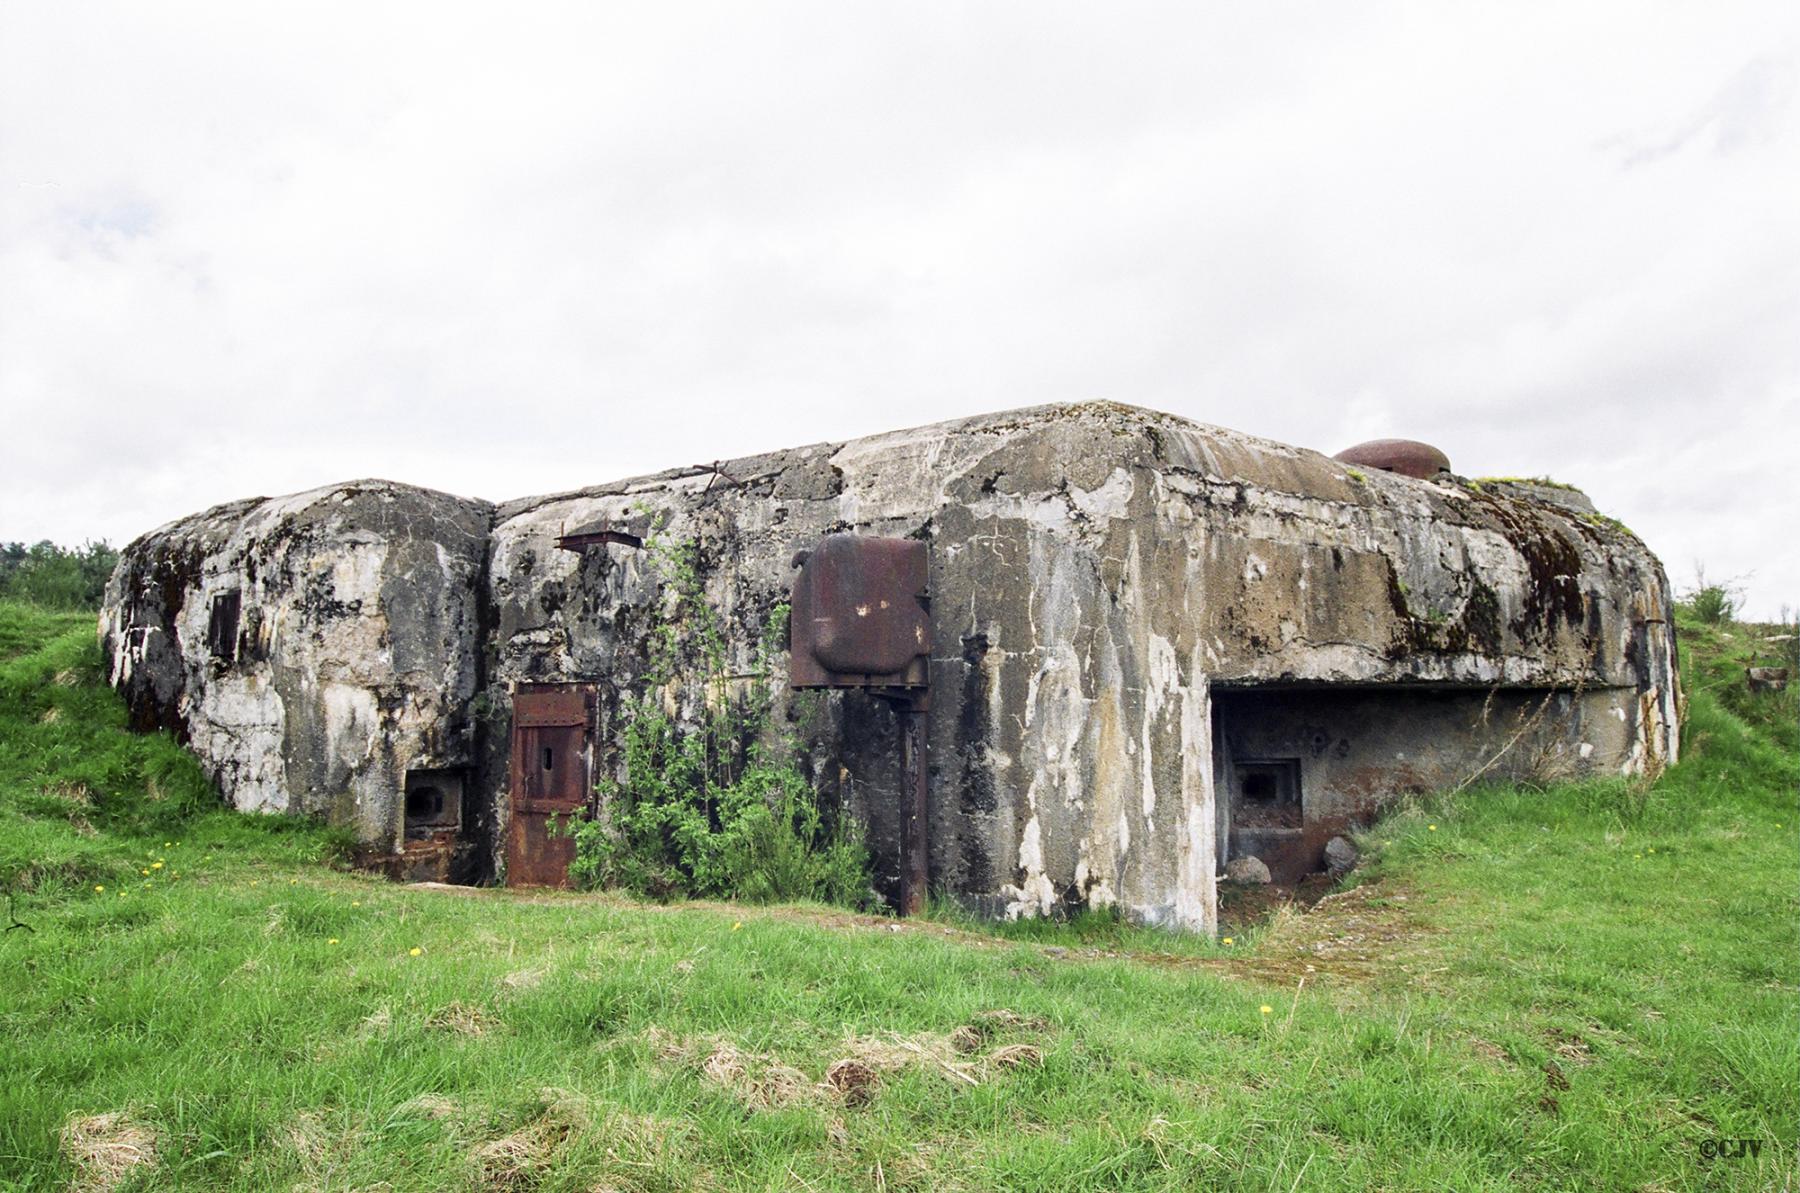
{"x": 1095, "y": 571}
{"x": 354, "y": 657}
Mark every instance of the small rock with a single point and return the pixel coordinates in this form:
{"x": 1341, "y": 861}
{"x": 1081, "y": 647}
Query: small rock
{"x": 1246, "y": 870}
{"x": 1340, "y": 856}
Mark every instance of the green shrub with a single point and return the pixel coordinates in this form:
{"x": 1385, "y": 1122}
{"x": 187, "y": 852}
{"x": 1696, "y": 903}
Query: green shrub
{"x": 56, "y": 577}
{"x": 712, "y": 804}
{"x": 1712, "y": 603}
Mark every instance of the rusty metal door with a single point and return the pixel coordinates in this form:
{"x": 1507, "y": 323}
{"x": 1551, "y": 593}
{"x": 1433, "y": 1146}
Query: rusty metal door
{"x": 548, "y": 779}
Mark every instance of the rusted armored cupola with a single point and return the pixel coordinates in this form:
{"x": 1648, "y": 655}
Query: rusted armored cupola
{"x": 1407, "y": 457}
{"x": 860, "y": 618}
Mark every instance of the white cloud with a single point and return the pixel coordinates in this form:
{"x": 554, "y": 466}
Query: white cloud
{"x": 501, "y": 253}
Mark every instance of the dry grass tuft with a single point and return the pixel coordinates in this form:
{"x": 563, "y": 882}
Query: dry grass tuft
{"x": 1488, "y": 1050}
{"x": 1570, "y": 1046}
{"x": 754, "y": 1078}
{"x": 967, "y": 1040}
{"x": 666, "y": 1045}
{"x": 762, "y": 1081}
{"x": 431, "y": 1106}
{"x": 105, "y": 1149}
{"x": 853, "y": 1081}
{"x": 522, "y": 979}
{"x": 1017, "y": 1056}
{"x": 460, "y": 1018}
{"x": 520, "y": 1158}
{"x": 926, "y": 1050}
{"x": 74, "y": 794}
{"x": 305, "y": 1135}
{"x": 1000, "y": 1020}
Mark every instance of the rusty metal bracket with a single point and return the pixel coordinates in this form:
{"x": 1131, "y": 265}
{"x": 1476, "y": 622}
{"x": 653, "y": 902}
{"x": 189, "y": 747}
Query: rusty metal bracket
{"x": 717, "y": 468}
{"x": 595, "y": 534}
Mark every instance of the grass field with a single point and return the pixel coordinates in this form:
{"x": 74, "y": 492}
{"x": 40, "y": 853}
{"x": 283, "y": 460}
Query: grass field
{"x": 1572, "y": 988}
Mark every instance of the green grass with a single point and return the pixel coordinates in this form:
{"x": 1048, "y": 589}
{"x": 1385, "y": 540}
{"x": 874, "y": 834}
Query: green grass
{"x": 1550, "y": 989}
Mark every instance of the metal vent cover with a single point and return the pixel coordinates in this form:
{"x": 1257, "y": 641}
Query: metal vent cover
{"x": 860, "y": 614}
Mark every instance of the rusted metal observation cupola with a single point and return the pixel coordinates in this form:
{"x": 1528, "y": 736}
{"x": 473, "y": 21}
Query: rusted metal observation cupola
{"x": 861, "y": 619}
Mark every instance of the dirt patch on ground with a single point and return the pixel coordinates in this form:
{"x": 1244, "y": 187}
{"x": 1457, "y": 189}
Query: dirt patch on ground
{"x": 106, "y": 1149}
{"x": 1357, "y": 934}
{"x": 1243, "y": 906}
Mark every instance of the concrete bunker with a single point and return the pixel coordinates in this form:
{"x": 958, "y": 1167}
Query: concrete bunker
{"x": 1149, "y": 646}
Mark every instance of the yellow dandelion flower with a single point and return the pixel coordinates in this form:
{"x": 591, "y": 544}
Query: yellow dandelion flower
{"x": 1637, "y": 855}
{"x": 1227, "y": 940}
{"x": 1432, "y": 827}
{"x": 293, "y": 882}
{"x": 1266, "y": 1009}
{"x": 253, "y": 882}
{"x": 146, "y": 873}
{"x": 98, "y": 888}
{"x": 737, "y": 925}
{"x": 333, "y": 940}
{"x": 356, "y": 902}
{"x": 156, "y": 865}
{"x": 165, "y": 844}
{"x": 1652, "y": 849}
{"x": 414, "y": 951}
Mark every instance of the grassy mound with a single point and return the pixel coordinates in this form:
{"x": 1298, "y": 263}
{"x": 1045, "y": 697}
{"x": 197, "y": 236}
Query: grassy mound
{"x": 1573, "y": 987}
{"x": 82, "y": 798}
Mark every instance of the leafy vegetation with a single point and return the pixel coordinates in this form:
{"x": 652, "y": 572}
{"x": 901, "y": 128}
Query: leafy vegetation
{"x": 1572, "y": 987}
{"x": 711, "y": 802}
{"x": 54, "y": 577}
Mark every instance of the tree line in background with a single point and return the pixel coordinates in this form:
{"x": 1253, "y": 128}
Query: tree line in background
{"x": 56, "y": 577}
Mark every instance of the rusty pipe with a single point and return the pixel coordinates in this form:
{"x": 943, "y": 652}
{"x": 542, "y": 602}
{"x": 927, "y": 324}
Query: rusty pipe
{"x": 915, "y": 846}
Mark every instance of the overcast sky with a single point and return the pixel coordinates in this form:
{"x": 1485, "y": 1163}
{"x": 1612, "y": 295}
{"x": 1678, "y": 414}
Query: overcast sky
{"x": 507, "y": 249}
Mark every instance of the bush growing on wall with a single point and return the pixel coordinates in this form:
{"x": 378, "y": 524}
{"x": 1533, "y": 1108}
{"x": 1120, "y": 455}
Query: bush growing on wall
{"x": 712, "y": 804}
